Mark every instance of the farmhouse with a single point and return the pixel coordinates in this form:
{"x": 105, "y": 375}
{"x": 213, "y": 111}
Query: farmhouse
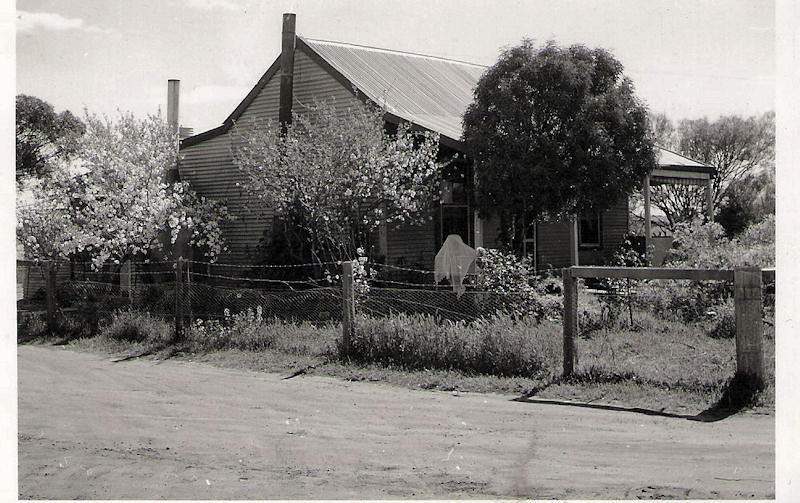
{"x": 432, "y": 94}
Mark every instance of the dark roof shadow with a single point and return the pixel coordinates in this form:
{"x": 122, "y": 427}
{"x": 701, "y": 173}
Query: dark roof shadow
{"x": 709, "y": 415}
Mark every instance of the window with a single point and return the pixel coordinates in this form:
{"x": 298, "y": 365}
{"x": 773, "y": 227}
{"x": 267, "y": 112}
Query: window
{"x": 454, "y": 204}
{"x": 455, "y": 220}
{"x": 453, "y": 192}
{"x": 589, "y": 232}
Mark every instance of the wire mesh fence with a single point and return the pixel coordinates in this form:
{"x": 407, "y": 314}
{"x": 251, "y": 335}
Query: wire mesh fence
{"x": 201, "y": 290}
{"x": 313, "y": 293}
{"x": 393, "y": 290}
{"x": 303, "y": 292}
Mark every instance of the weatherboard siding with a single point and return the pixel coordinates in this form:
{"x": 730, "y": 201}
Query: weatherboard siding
{"x": 311, "y": 81}
{"x": 552, "y": 244}
{"x": 208, "y": 166}
{"x": 32, "y": 280}
{"x": 552, "y": 240}
{"x": 209, "y": 169}
{"x": 266, "y": 104}
{"x": 412, "y": 245}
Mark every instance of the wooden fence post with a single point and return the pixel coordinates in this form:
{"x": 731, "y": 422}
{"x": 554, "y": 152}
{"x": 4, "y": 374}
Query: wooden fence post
{"x": 570, "y": 319}
{"x": 179, "y": 299}
{"x": 50, "y": 271}
{"x": 648, "y": 230}
{"x": 348, "y": 306}
{"x": 125, "y": 283}
{"x": 749, "y": 326}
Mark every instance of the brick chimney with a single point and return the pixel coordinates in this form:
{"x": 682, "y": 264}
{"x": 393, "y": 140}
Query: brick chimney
{"x": 287, "y": 70}
{"x": 173, "y": 101}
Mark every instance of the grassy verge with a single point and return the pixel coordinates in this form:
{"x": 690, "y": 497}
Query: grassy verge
{"x": 660, "y": 366}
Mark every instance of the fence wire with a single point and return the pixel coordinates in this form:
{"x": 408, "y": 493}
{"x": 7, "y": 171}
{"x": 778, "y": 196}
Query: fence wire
{"x": 304, "y": 292}
{"x": 395, "y": 289}
{"x": 313, "y": 293}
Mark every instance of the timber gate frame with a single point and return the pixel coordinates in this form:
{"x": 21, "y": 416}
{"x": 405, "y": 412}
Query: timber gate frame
{"x": 747, "y": 300}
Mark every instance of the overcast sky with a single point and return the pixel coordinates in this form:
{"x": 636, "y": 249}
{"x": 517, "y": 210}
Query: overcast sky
{"x": 687, "y": 59}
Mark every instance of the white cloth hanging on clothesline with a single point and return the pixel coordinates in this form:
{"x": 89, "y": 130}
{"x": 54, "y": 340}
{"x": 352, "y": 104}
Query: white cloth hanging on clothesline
{"x": 454, "y": 260}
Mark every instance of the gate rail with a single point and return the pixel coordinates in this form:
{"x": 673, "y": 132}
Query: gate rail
{"x": 747, "y": 300}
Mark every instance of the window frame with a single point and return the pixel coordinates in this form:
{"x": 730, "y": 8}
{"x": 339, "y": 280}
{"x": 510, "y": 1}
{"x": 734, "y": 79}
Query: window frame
{"x": 598, "y": 217}
{"x": 456, "y": 174}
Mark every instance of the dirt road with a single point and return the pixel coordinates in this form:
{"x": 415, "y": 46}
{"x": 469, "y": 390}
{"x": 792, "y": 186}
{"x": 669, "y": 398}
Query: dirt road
{"x": 90, "y": 428}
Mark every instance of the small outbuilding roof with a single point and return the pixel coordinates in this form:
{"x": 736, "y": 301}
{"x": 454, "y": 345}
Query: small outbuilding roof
{"x": 673, "y": 160}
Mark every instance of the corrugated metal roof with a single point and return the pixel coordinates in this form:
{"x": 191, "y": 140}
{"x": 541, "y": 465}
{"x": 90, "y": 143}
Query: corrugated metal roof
{"x": 429, "y": 91}
{"x": 673, "y": 159}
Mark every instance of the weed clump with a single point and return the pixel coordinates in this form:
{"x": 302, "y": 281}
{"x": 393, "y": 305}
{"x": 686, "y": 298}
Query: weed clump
{"x": 249, "y": 330}
{"x": 33, "y": 326}
{"x": 723, "y": 325}
{"x": 136, "y": 326}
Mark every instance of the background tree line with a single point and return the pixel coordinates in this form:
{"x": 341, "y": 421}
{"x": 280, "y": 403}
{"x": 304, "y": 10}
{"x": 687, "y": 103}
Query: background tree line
{"x": 743, "y": 152}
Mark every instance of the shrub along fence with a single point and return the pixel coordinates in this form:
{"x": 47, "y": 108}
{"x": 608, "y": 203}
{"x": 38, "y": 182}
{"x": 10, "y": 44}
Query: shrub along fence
{"x": 748, "y": 304}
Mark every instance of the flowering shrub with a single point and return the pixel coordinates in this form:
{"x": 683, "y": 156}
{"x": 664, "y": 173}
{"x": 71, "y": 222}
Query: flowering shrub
{"x": 48, "y": 225}
{"x": 362, "y": 273}
{"x": 527, "y": 294}
{"x": 126, "y": 197}
{"x": 705, "y": 246}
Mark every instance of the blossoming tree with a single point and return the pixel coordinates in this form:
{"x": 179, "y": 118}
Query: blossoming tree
{"x": 338, "y": 175}
{"x": 127, "y": 198}
{"x": 121, "y": 206}
{"x": 48, "y": 227}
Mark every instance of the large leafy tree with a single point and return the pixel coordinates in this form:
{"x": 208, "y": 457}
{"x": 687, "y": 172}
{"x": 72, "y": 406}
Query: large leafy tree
{"x": 42, "y": 136}
{"x": 737, "y": 147}
{"x": 337, "y": 175}
{"x": 555, "y": 131}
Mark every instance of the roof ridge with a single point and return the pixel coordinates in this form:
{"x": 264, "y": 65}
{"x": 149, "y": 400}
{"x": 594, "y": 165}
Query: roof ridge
{"x": 392, "y": 51}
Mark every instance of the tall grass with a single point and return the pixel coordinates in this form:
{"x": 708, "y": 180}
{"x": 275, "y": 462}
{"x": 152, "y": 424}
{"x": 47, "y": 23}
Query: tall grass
{"x": 248, "y": 331}
{"x": 499, "y": 346}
